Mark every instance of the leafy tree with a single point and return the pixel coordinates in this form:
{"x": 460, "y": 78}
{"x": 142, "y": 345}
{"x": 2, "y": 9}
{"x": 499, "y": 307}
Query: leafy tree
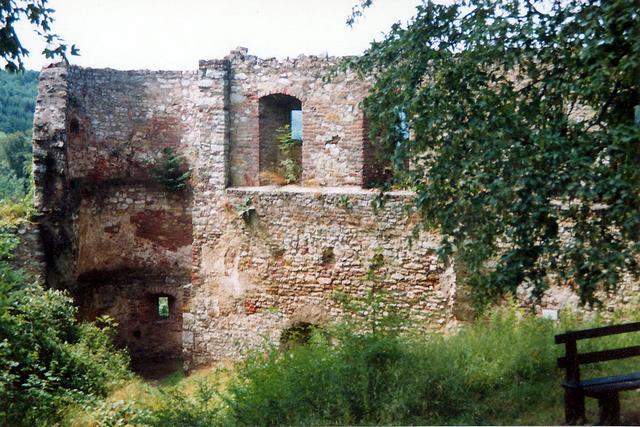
{"x": 522, "y": 147}
{"x": 15, "y": 165}
{"x": 40, "y": 17}
{"x": 17, "y": 103}
{"x": 17, "y": 100}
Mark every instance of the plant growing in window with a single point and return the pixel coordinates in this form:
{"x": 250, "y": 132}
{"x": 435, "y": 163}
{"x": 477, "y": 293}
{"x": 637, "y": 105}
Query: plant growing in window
{"x": 163, "y": 307}
{"x": 289, "y": 166}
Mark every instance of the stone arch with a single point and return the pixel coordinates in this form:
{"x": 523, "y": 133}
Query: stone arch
{"x": 275, "y": 111}
{"x": 301, "y": 324}
{"x": 288, "y": 91}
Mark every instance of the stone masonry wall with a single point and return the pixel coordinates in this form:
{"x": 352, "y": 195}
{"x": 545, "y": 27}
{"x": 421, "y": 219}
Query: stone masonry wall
{"x": 108, "y": 224}
{"x": 120, "y": 121}
{"x": 28, "y": 255}
{"x": 53, "y": 196}
{"x": 131, "y": 297}
{"x": 301, "y": 248}
{"x": 119, "y": 241}
{"x": 133, "y": 227}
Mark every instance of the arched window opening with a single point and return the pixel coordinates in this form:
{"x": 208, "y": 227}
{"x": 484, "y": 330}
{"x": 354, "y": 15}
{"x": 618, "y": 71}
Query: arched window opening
{"x": 280, "y": 127}
{"x": 297, "y": 334}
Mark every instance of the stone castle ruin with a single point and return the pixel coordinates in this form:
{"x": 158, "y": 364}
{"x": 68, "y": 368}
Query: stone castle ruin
{"x": 185, "y": 273}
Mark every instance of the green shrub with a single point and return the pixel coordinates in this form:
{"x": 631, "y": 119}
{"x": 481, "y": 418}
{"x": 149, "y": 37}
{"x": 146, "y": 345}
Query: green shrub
{"x": 499, "y": 370}
{"x": 246, "y": 210}
{"x": 171, "y": 171}
{"x": 47, "y": 359}
{"x": 290, "y": 170}
{"x": 16, "y": 212}
{"x": 203, "y": 408}
{"x": 116, "y": 413}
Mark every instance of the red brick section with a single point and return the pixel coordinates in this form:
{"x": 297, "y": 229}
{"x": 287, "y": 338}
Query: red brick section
{"x": 167, "y": 230}
{"x": 163, "y": 131}
{"x": 131, "y": 298}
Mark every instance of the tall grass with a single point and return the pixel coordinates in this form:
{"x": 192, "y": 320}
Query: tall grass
{"x": 500, "y": 369}
{"x": 491, "y": 371}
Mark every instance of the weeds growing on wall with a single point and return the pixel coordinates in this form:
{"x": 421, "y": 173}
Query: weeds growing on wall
{"x": 246, "y": 210}
{"x": 345, "y": 203}
{"x": 171, "y": 172}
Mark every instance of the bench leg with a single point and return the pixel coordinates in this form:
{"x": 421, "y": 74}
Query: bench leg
{"x": 574, "y": 407}
{"x": 609, "y": 405}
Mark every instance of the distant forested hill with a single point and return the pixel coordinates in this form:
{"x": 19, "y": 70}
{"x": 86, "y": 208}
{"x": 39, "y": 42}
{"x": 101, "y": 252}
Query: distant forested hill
{"x": 17, "y": 101}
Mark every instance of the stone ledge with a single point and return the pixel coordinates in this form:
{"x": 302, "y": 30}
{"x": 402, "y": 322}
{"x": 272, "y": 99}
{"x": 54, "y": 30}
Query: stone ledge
{"x": 296, "y": 189}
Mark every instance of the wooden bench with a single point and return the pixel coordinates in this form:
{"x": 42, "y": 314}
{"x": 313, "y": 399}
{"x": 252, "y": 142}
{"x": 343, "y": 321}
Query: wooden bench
{"x": 604, "y": 389}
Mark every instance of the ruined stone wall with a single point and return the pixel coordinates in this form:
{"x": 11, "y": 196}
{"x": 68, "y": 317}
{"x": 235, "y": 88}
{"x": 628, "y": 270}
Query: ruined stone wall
{"x": 133, "y": 226}
{"x": 118, "y": 125}
{"x": 134, "y": 235}
{"x": 53, "y": 196}
{"x": 131, "y": 298}
{"x": 120, "y": 121}
{"x": 119, "y": 240}
{"x": 108, "y": 224}
{"x": 301, "y": 248}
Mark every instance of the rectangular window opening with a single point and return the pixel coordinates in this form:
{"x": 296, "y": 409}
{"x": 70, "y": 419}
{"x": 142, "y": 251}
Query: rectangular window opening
{"x": 163, "y": 307}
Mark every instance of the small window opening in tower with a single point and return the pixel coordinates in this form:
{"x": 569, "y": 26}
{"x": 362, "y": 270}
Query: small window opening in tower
{"x": 163, "y": 307}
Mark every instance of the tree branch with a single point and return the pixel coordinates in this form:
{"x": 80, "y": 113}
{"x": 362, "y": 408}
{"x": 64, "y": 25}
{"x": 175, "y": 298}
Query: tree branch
{"x": 606, "y": 105}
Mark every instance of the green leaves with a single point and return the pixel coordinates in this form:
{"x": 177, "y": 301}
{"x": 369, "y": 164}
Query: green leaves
{"x": 522, "y": 147}
{"x": 290, "y": 151}
{"x": 47, "y": 359}
{"x": 15, "y": 165}
{"x": 246, "y": 210}
{"x": 41, "y": 18}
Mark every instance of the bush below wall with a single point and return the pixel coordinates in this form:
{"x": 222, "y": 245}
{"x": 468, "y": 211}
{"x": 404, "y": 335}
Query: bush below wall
{"x": 47, "y": 359}
{"x": 500, "y": 369}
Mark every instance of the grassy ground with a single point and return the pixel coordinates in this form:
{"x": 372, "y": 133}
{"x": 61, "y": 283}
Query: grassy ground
{"x": 500, "y": 370}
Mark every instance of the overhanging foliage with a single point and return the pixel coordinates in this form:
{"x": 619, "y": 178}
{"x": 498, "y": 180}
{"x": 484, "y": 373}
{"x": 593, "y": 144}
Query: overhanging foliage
{"x": 522, "y": 147}
{"x": 40, "y": 17}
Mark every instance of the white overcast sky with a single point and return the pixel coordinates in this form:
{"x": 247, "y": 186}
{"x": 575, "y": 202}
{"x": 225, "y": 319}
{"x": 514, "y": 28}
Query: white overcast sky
{"x": 175, "y": 34}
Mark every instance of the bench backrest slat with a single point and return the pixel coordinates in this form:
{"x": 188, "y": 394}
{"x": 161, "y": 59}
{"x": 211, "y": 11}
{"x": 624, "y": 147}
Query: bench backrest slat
{"x": 597, "y": 332}
{"x": 601, "y": 356}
